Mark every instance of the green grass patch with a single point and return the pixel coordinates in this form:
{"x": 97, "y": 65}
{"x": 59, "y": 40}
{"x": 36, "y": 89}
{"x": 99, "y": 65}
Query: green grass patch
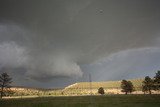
{"x": 86, "y": 101}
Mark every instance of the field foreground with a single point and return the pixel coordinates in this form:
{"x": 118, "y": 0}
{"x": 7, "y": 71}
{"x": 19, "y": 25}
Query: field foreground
{"x": 86, "y": 101}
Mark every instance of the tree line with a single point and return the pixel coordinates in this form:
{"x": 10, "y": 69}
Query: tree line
{"x": 148, "y": 84}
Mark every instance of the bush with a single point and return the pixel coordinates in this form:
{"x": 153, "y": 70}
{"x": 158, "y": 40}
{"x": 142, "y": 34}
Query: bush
{"x": 101, "y": 91}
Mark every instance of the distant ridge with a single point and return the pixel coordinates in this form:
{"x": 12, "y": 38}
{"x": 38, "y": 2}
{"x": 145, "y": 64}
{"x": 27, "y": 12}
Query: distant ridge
{"x": 110, "y": 87}
{"x": 105, "y": 84}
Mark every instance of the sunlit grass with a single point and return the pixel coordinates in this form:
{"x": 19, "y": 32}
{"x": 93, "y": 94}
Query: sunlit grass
{"x": 85, "y": 101}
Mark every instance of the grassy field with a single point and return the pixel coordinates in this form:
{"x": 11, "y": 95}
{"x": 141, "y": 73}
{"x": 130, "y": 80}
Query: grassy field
{"x": 86, "y": 101}
{"x": 80, "y": 88}
{"x": 110, "y": 87}
{"x": 107, "y": 84}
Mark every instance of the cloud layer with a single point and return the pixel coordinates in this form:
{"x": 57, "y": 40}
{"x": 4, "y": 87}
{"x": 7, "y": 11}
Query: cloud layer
{"x": 12, "y": 55}
{"x": 127, "y": 64}
{"x": 37, "y": 65}
{"x": 60, "y": 40}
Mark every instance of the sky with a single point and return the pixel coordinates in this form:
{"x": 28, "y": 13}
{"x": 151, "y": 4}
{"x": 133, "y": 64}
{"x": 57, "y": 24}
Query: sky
{"x": 55, "y": 43}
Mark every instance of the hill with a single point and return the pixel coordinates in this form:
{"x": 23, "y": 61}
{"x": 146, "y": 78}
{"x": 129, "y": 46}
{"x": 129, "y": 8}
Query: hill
{"x": 111, "y": 87}
{"x": 80, "y": 88}
{"x": 28, "y": 91}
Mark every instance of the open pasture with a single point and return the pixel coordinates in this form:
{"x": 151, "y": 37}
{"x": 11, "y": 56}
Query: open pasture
{"x": 85, "y": 101}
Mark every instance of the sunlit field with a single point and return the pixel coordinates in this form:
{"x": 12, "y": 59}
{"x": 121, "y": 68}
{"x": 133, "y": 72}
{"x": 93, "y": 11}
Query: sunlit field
{"x": 80, "y": 88}
{"x": 110, "y": 87}
{"x": 86, "y": 101}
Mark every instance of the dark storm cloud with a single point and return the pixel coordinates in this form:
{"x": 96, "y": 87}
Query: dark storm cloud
{"x": 128, "y": 64}
{"x": 55, "y": 38}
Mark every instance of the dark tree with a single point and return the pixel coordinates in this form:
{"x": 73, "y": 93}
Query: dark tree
{"x": 130, "y": 86}
{"x": 127, "y": 86}
{"x": 5, "y": 82}
{"x": 124, "y": 86}
{"x": 157, "y": 81}
{"x": 147, "y": 85}
{"x": 101, "y": 91}
{"x": 144, "y": 89}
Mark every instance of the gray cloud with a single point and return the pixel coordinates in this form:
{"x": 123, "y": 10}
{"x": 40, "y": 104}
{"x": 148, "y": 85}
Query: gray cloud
{"x": 74, "y": 7}
{"x": 12, "y": 55}
{"x": 56, "y": 39}
{"x": 131, "y": 63}
{"x": 37, "y": 65}
{"x": 52, "y": 66}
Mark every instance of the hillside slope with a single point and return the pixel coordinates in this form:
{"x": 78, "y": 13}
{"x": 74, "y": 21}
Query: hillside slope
{"x": 109, "y": 86}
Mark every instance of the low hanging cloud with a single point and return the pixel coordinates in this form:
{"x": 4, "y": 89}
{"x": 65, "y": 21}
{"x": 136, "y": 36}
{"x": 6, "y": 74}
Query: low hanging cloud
{"x": 12, "y": 55}
{"x": 37, "y": 65}
{"x": 52, "y": 66}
